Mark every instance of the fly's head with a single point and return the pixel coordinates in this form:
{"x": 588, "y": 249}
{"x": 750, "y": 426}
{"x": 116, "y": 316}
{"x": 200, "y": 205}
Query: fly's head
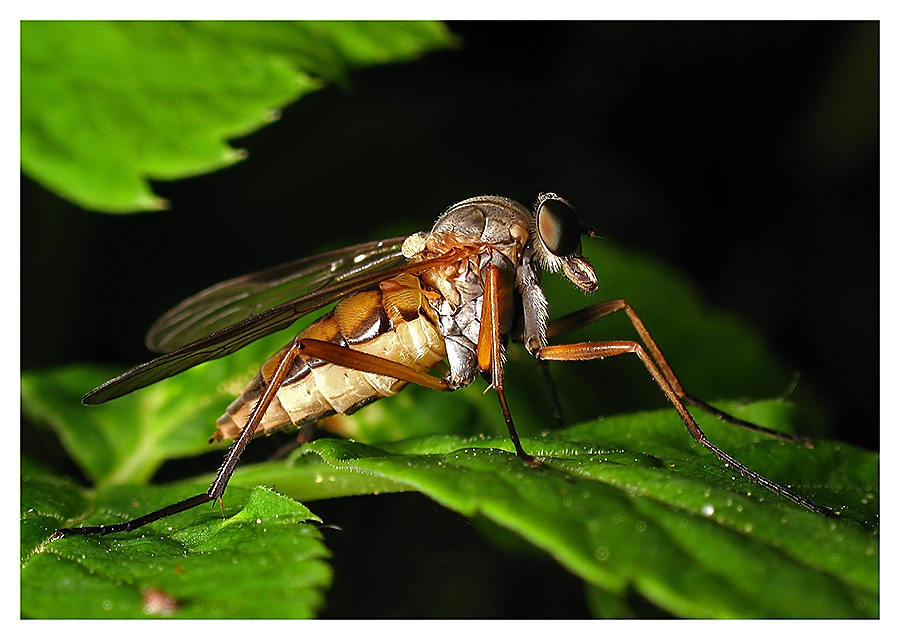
{"x": 557, "y": 240}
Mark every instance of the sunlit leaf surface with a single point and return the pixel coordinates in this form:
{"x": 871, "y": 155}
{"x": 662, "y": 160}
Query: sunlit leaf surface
{"x": 106, "y": 106}
{"x": 262, "y": 559}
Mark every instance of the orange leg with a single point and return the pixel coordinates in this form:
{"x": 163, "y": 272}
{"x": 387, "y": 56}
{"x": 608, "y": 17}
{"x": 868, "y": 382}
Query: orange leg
{"x": 587, "y": 315}
{"x": 599, "y": 350}
{"x": 346, "y": 357}
{"x": 490, "y": 354}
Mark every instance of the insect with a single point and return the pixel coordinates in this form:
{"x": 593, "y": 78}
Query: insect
{"x": 457, "y": 293}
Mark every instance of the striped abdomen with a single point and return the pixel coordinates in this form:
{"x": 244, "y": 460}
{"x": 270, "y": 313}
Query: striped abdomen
{"x": 393, "y": 321}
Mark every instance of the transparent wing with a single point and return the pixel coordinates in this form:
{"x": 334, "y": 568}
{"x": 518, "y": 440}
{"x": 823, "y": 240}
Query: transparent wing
{"x": 232, "y": 301}
{"x": 224, "y": 317}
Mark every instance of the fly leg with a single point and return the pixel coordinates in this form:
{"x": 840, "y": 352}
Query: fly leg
{"x": 589, "y": 314}
{"x": 554, "y": 396}
{"x": 360, "y": 361}
{"x": 490, "y": 353}
{"x": 217, "y": 488}
{"x": 599, "y": 350}
{"x": 335, "y": 354}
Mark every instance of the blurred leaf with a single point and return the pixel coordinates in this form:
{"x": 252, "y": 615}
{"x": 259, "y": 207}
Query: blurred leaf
{"x": 126, "y": 441}
{"x": 258, "y": 561}
{"x": 108, "y": 105}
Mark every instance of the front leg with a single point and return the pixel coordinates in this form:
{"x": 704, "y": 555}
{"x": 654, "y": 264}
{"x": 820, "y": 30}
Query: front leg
{"x": 489, "y": 354}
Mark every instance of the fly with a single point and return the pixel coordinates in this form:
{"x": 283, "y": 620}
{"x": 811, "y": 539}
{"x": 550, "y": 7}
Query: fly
{"x": 456, "y": 293}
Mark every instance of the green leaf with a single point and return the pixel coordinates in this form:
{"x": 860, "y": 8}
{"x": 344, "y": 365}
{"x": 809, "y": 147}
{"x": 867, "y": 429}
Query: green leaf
{"x": 260, "y": 560}
{"x": 628, "y": 503}
{"x": 664, "y": 519}
{"x": 108, "y": 105}
{"x": 631, "y": 504}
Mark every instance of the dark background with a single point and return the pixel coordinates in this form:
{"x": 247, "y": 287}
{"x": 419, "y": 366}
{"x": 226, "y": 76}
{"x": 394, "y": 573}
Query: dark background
{"x": 744, "y": 154}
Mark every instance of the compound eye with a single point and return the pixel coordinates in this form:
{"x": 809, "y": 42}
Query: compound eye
{"x": 559, "y": 227}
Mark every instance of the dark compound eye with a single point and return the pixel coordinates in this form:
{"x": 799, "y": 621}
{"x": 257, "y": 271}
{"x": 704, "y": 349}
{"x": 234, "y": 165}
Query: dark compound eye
{"x": 559, "y": 227}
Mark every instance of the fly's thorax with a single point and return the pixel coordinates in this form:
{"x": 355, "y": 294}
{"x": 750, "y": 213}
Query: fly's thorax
{"x": 490, "y": 231}
{"x": 393, "y": 321}
{"x": 486, "y": 221}
{"x": 494, "y": 230}
{"x": 490, "y": 220}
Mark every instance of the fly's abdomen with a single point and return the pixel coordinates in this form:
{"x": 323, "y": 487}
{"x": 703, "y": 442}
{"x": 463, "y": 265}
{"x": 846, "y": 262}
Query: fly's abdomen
{"x": 394, "y": 322}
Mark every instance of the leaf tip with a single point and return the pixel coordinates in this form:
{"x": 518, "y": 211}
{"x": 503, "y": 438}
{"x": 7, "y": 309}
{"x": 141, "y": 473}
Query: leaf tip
{"x": 153, "y": 202}
{"x": 231, "y": 156}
